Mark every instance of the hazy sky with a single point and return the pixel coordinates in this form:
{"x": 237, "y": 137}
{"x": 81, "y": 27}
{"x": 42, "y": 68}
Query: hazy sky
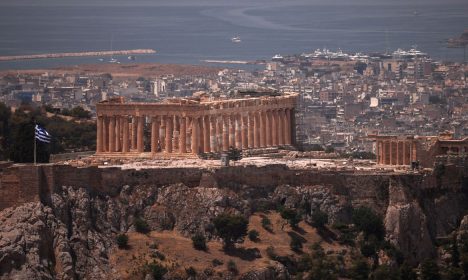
{"x": 221, "y": 2}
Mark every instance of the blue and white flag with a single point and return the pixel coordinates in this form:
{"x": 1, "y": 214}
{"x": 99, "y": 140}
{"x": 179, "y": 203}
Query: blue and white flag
{"x": 42, "y": 134}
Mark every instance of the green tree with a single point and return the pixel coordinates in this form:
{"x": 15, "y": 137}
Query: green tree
{"x": 360, "y": 270}
{"x": 141, "y": 225}
{"x": 231, "y": 228}
{"x": 407, "y": 273}
{"x": 430, "y": 270}
{"x": 199, "y": 242}
{"x": 79, "y": 112}
{"x": 253, "y": 235}
{"x": 319, "y": 219}
{"x": 384, "y": 272}
{"x": 291, "y": 216}
{"x": 368, "y": 222}
{"x": 317, "y": 264}
{"x": 5, "y": 113}
{"x": 122, "y": 240}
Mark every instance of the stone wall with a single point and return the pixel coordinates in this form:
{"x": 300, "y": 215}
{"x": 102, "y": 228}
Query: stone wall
{"x": 25, "y": 183}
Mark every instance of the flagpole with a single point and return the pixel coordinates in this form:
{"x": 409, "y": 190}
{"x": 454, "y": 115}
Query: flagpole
{"x": 34, "y": 144}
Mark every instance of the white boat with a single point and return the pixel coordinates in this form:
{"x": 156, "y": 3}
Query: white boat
{"x": 236, "y": 39}
{"x": 277, "y": 57}
{"x": 113, "y": 60}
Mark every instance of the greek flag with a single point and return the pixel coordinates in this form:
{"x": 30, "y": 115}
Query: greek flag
{"x": 42, "y": 135}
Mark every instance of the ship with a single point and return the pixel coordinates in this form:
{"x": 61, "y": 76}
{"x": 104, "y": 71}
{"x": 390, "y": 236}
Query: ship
{"x": 277, "y": 57}
{"x": 236, "y": 39}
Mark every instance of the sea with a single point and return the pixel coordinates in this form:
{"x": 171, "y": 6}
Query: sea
{"x": 189, "y": 32}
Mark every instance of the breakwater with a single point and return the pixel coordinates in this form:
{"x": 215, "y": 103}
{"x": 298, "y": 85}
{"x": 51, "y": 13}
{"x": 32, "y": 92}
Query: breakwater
{"x": 77, "y": 54}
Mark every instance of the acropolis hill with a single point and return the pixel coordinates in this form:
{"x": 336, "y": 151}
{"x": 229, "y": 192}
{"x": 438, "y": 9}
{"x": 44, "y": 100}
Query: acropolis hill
{"x": 62, "y": 220}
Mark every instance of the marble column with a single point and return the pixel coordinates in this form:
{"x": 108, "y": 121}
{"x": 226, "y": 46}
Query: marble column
{"x": 232, "y": 131}
{"x": 405, "y": 158}
{"x": 168, "y": 138}
{"x": 140, "y": 134}
{"x": 99, "y": 142}
{"x": 182, "y": 135}
{"x": 250, "y": 131}
{"x": 285, "y": 128}
{"x": 245, "y": 142}
{"x": 259, "y": 130}
{"x": 206, "y": 134}
{"x": 398, "y": 151}
{"x": 269, "y": 129}
{"x": 125, "y": 137}
{"x": 112, "y": 134}
{"x": 238, "y": 141}
{"x": 105, "y": 138}
{"x": 280, "y": 128}
{"x": 117, "y": 134}
{"x": 162, "y": 133}
{"x": 134, "y": 132}
{"x": 413, "y": 151}
{"x": 175, "y": 133}
{"x": 195, "y": 135}
{"x": 225, "y": 133}
{"x": 288, "y": 126}
{"x": 154, "y": 134}
{"x": 391, "y": 153}
{"x": 274, "y": 128}
{"x": 213, "y": 135}
{"x": 219, "y": 132}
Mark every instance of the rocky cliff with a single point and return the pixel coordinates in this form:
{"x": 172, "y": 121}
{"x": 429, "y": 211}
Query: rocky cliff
{"x": 69, "y": 233}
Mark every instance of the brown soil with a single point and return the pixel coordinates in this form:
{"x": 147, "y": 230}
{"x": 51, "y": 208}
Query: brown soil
{"x": 123, "y": 70}
{"x": 179, "y": 252}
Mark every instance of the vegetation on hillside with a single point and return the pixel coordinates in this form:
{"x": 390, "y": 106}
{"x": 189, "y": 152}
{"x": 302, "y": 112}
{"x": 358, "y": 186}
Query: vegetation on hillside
{"x": 17, "y": 133}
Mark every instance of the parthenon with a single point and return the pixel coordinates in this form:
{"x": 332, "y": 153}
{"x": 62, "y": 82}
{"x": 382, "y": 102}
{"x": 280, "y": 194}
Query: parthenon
{"x": 188, "y": 126}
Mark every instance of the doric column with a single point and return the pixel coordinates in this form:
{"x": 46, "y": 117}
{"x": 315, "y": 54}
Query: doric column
{"x": 232, "y": 131}
{"x": 288, "y": 140}
{"x": 384, "y": 152}
{"x": 280, "y": 127}
{"x": 274, "y": 128}
{"x": 155, "y": 134}
{"x": 391, "y": 152}
{"x": 168, "y": 138}
{"x": 219, "y": 132}
{"x": 195, "y": 135}
{"x": 140, "y": 135}
{"x": 105, "y": 134}
{"x": 182, "y": 135}
{"x": 413, "y": 151}
{"x": 245, "y": 142}
{"x": 175, "y": 133}
{"x": 162, "y": 133}
{"x": 398, "y": 157}
{"x": 238, "y": 120}
{"x": 125, "y": 136}
{"x": 134, "y": 132}
{"x": 117, "y": 134}
{"x": 262, "y": 130}
{"x": 405, "y": 159}
{"x": 269, "y": 129}
{"x": 206, "y": 134}
{"x": 380, "y": 152}
{"x": 225, "y": 133}
{"x": 99, "y": 128}
{"x": 257, "y": 130}
{"x": 213, "y": 134}
{"x": 250, "y": 131}
{"x": 112, "y": 134}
